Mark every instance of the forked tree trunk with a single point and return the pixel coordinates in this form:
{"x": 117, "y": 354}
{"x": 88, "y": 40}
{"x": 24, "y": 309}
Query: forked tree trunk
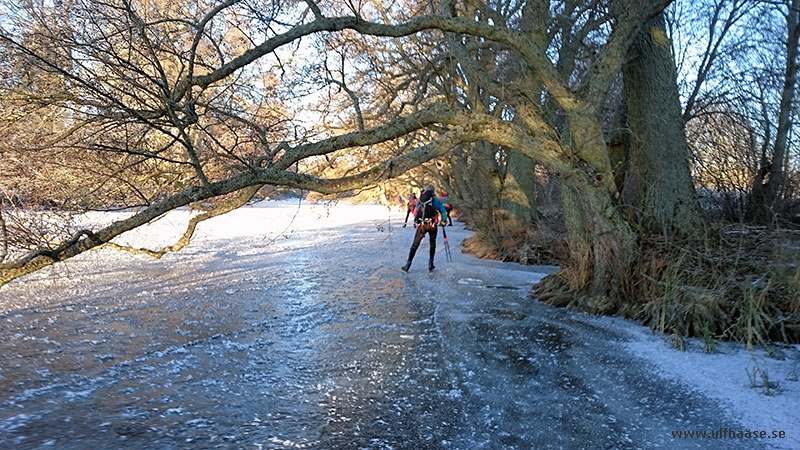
{"x": 663, "y": 196}
{"x": 602, "y": 250}
{"x": 602, "y": 246}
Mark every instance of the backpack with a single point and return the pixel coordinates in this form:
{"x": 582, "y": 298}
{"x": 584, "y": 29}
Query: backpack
{"x": 427, "y": 210}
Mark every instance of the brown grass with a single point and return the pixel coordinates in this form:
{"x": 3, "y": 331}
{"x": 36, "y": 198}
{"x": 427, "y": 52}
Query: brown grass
{"x": 496, "y": 239}
{"x": 744, "y": 287}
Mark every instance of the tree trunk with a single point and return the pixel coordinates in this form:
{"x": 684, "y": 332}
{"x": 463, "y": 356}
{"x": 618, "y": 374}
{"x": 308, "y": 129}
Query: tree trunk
{"x": 462, "y": 187}
{"x": 3, "y": 236}
{"x": 770, "y": 178}
{"x": 517, "y": 203}
{"x": 663, "y": 195}
{"x": 602, "y": 250}
{"x": 484, "y": 176}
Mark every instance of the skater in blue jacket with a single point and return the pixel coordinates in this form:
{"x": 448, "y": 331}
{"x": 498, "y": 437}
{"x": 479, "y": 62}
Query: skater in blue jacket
{"x": 430, "y": 212}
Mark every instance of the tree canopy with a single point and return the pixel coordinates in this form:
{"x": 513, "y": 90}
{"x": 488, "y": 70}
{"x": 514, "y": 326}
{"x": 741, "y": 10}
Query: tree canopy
{"x": 155, "y": 105}
{"x": 165, "y": 104}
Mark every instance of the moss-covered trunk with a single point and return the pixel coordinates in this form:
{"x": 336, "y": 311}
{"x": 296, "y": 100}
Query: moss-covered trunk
{"x": 517, "y": 203}
{"x": 602, "y": 250}
{"x": 663, "y": 196}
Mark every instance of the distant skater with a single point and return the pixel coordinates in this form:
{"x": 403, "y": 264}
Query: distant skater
{"x": 429, "y": 212}
{"x": 447, "y": 206}
{"x": 410, "y": 208}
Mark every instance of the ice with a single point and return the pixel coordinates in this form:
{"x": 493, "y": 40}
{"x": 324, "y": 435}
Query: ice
{"x": 14, "y": 422}
{"x": 287, "y": 327}
{"x": 72, "y": 396}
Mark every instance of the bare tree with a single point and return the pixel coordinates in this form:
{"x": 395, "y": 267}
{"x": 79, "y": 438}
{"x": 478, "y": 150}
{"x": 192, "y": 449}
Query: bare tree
{"x": 724, "y": 161}
{"x": 733, "y": 57}
{"x": 181, "y": 86}
{"x": 714, "y": 27}
{"x": 771, "y": 176}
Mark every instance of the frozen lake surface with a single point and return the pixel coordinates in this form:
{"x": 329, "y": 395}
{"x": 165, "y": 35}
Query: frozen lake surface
{"x": 285, "y": 327}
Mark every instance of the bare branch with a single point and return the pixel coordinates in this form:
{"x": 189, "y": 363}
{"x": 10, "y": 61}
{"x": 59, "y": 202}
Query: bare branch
{"x": 391, "y": 130}
{"x": 469, "y": 129}
{"x": 239, "y": 199}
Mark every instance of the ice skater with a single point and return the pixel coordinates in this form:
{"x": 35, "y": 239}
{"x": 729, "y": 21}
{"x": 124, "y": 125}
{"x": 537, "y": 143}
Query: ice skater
{"x": 411, "y": 208}
{"x": 429, "y": 213}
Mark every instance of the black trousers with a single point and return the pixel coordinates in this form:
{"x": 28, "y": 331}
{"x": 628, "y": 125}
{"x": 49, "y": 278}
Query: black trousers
{"x": 408, "y": 212}
{"x": 422, "y": 229}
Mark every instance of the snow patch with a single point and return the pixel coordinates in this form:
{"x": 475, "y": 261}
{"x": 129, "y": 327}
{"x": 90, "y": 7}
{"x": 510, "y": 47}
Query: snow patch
{"x": 723, "y": 376}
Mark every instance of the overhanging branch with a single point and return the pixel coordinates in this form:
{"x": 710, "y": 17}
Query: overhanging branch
{"x": 467, "y": 128}
{"x": 238, "y": 200}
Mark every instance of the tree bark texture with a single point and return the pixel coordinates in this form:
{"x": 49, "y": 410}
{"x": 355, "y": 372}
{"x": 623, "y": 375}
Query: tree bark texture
{"x": 480, "y": 175}
{"x": 602, "y": 249}
{"x": 664, "y": 200}
{"x": 517, "y": 205}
